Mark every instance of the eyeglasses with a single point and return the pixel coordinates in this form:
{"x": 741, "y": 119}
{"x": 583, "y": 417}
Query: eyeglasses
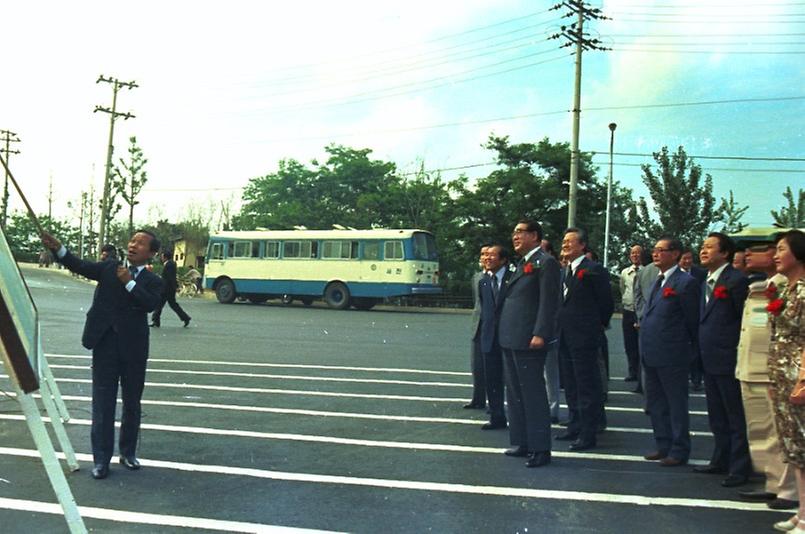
{"x": 658, "y": 250}
{"x": 518, "y": 231}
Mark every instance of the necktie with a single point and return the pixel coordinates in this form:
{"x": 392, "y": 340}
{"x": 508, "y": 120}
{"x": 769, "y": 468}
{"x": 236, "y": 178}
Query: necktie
{"x": 568, "y": 276}
{"x": 709, "y": 292}
{"x": 133, "y": 271}
{"x": 656, "y": 287}
{"x": 494, "y": 282}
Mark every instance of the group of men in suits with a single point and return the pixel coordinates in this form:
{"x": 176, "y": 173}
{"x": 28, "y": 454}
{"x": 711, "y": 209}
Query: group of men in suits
{"x": 684, "y": 315}
{"x": 672, "y": 316}
{"x": 525, "y": 310}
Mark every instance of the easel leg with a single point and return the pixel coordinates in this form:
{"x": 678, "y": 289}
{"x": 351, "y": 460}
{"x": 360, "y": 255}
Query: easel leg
{"x": 58, "y": 427}
{"x": 48, "y": 377}
{"x": 52, "y": 466}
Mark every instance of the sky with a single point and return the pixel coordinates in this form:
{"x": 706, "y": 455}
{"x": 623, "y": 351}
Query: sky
{"x": 226, "y": 90}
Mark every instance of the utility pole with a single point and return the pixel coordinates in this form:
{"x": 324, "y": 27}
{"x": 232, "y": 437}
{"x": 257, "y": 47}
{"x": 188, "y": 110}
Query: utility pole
{"x": 612, "y": 127}
{"x": 576, "y": 36}
{"x": 50, "y": 198}
{"x": 107, "y": 177}
{"x": 91, "y": 224}
{"x": 81, "y": 224}
{"x": 7, "y": 137}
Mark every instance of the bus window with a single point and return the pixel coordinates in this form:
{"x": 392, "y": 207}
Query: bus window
{"x": 300, "y": 249}
{"x": 393, "y": 250}
{"x": 245, "y": 249}
{"x": 425, "y": 247}
{"x": 272, "y": 250}
{"x": 371, "y": 250}
{"x": 342, "y": 250}
{"x": 217, "y": 252}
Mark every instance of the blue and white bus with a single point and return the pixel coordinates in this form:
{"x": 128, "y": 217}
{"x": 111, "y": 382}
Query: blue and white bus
{"x": 356, "y": 268}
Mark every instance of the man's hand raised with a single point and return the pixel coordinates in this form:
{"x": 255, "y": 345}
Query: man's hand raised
{"x": 50, "y": 242}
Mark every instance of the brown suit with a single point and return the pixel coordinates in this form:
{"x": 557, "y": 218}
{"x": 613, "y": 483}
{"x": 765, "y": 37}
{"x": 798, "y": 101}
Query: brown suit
{"x": 752, "y": 370}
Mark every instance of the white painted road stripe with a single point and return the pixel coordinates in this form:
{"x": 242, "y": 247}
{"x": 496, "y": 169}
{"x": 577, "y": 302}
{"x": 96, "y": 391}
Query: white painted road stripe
{"x": 272, "y": 435}
{"x": 503, "y": 491}
{"x": 285, "y": 377}
{"x": 229, "y": 363}
{"x": 121, "y": 516}
{"x": 327, "y": 367}
{"x": 326, "y": 393}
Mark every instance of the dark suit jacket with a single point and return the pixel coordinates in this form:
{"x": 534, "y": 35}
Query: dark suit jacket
{"x": 169, "y": 277}
{"x": 475, "y": 319}
{"x": 114, "y": 307}
{"x": 670, "y": 324}
{"x": 587, "y": 308}
{"x": 720, "y": 322}
{"x": 490, "y": 309}
{"x": 531, "y": 302}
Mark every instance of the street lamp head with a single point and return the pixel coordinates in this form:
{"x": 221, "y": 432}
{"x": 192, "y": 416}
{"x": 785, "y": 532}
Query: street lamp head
{"x": 612, "y": 126}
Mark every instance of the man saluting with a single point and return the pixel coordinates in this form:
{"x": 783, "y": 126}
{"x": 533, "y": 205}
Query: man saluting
{"x": 116, "y": 331}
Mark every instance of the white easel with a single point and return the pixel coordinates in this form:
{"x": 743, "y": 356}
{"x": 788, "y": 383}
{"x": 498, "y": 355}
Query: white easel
{"x": 57, "y": 411}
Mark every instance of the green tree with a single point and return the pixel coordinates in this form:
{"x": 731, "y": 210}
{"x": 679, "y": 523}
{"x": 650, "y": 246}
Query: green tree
{"x": 730, "y": 214}
{"x": 682, "y": 198}
{"x": 792, "y": 215}
{"x": 129, "y": 181}
{"x": 23, "y": 235}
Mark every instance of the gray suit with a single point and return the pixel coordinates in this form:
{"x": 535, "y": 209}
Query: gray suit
{"x": 532, "y": 300}
{"x": 476, "y": 355}
{"x": 644, "y": 281}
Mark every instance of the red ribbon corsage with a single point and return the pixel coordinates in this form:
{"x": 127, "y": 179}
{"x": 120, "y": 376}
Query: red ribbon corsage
{"x": 580, "y": 274}
{"x": 720, "y": 292}
{"x": 668, "y": 292}
{"x": 528, "y": 268}
{"x": 775, "y": 307}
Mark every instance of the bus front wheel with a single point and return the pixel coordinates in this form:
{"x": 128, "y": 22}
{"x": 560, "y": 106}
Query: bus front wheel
{"x": 336, "y": 295}
{"x": 225, "y": 292}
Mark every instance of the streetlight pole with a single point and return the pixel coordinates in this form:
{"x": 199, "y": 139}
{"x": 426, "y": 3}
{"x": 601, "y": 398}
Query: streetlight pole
{"x": 612, "y": 127}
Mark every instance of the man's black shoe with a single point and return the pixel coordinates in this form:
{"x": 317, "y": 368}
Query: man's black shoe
{"x": 734, "y": 481}
{"x": 516, "y": 451}
{"x": 567, "y": 436}
{"x": 709, "y": 470}
{"x": 186, "y": 322}
{"x": 538, "y": 459}
{"x": 130, "y": 462}
{"x": 100, "y": 471}
{"x": 782, "y": 504}
{"x": 755, "y": 495}
{"x": 582, "y": 445}
{"x": 473, "y": 406}
{"x": 494, "y": 425}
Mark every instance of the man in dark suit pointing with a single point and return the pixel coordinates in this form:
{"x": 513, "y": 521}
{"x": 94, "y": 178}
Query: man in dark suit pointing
{"x": 116, "y": 331}
{"x": 527, "y": 326}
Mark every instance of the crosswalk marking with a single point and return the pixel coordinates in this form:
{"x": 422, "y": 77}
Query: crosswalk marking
{"x": 122, "y": 516}
{"x": 446, "y": 487}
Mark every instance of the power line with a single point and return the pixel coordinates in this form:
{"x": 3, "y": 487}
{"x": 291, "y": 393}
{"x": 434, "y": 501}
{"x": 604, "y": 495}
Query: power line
{"x": 711, "y": 52}
{"x": 350, "y": 100}
{"x": 725, "y": 169}
{"x": 735, "y": 158}
{"x": 528, "y": 116}
{"x": 407, "y": 46}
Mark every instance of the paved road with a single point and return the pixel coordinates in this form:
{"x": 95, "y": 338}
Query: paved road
{"x": 307, "y": 418}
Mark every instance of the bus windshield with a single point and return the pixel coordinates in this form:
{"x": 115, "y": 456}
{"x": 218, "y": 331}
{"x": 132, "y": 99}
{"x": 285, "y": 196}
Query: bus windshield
{"x": 425, "y": 247}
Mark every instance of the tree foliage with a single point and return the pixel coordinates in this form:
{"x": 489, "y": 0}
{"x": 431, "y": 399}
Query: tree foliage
{"x": 730, "y": 214}
{"x": 23, "y": 235}
{"x": 682, "y": 198}
{"x": 792, "y": 215}
{"x": 129, "y": 181}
